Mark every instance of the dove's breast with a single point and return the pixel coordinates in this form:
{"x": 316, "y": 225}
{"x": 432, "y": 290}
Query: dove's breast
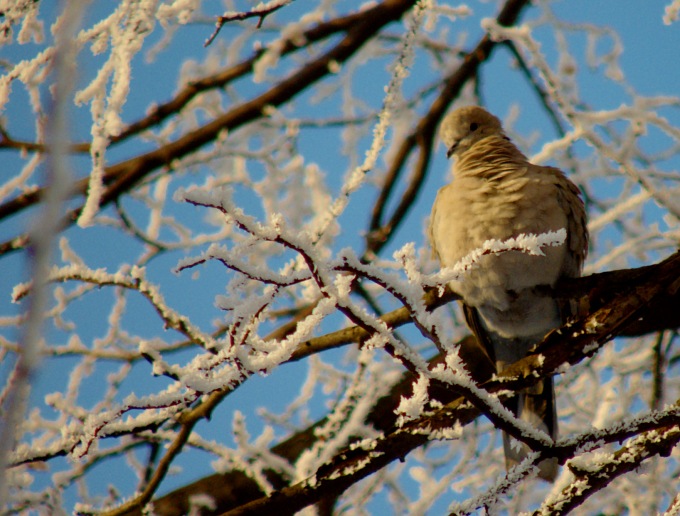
{"x": 472, "y": 210}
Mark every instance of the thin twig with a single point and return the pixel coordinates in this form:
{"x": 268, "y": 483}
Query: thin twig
{"x": 260, "y": 12}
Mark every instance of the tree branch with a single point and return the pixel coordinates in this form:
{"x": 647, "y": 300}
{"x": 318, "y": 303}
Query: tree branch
{"x": 621, "y": 298}
{"x": 588, "y": 482}
{"x": 261, "y": 12}
{"x": 423, "y": 137}
{"x": 121, "y": 177}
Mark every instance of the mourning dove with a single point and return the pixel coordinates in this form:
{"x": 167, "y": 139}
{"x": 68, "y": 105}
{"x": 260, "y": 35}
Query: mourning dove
{"x": 498, "y": 194}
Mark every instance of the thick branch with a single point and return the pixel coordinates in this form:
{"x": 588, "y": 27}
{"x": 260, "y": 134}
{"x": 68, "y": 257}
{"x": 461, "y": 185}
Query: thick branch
{"x": 621, "y": 297}
{"x": 571, "y": 344}
{"x": 588, "y": 482}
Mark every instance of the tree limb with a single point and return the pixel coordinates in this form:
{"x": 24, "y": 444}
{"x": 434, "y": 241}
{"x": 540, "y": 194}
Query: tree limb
{"x": 121, "y": 177}
{"x": 620, "y": 298}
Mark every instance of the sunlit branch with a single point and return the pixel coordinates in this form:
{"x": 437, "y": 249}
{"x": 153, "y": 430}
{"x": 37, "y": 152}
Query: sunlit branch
{"x": 121, "y": 177}
{"x": 260, "y": 12}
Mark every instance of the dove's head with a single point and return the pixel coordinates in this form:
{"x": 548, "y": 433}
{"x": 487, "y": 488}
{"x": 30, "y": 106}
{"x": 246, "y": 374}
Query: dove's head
{"x": 465, "y": 126}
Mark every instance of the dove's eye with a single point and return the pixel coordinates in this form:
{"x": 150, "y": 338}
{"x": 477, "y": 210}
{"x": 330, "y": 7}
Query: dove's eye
{"x": 473, "y": 126}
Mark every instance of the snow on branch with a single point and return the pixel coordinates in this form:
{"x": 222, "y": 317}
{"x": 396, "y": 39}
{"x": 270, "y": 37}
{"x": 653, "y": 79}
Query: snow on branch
{"x": 330, "y": 278}
{"x": 132, "y": 279}
{"x": 648, "y": 435}
{"x": 125, "y": 30}
{"x": 525, "y": 243}
{"x": 261, "y": 11}
{"x": 607, "y": 467}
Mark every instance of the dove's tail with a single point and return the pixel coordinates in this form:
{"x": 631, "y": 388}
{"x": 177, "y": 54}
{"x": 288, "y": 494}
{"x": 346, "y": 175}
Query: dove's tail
{"x": 536, "y": 406}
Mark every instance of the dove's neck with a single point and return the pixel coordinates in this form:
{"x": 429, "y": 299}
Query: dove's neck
{"x": 493, "y": 157}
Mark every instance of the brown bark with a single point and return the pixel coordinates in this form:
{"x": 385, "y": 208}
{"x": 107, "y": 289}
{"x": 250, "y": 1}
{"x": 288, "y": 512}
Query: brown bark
{"x": 625, "y": 302}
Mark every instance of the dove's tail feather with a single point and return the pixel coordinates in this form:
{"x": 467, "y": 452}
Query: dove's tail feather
{"x": 536, "y": 407}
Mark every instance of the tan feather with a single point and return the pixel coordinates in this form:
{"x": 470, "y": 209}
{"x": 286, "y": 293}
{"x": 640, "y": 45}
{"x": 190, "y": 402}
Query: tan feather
{"x": 497, "y": 194}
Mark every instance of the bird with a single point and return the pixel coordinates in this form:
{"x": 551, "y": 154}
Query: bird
{"x": 496, "y": 193}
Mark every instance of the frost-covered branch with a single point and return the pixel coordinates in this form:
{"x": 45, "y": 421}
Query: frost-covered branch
{"x": 294, "y": 342}
{"x": 350, "y": 467}
{"x": 134, "y": 279}
{"x": 120, "y": 177}
{"x": 261, "y": 12}
{"x": 607, "y": 467}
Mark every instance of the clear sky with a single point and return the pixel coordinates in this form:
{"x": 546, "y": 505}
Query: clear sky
{"x": 649, "y": 62}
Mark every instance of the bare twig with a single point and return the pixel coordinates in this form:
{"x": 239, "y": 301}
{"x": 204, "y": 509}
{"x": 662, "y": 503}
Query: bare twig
{"x": 261, "y": 12}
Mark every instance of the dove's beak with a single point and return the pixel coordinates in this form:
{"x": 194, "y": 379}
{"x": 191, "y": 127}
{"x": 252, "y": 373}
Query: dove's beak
{"x": 452, "y": 149}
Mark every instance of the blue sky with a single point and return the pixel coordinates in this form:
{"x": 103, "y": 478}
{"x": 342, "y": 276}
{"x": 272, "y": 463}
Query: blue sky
{"x": 649, "y": 62}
